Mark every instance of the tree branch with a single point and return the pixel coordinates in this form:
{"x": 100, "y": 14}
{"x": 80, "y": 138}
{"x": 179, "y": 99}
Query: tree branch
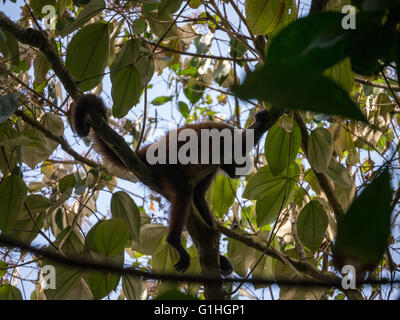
{"x": 78, "y": 262}
{"x": 39, "y": 39}
{"x": 306, "y": 268}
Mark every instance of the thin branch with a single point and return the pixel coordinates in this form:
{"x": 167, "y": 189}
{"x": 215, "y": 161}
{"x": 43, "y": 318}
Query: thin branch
{"x": 83, "y": 264}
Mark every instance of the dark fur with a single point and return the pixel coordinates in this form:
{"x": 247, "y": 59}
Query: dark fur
{"x": 172, "y": 179}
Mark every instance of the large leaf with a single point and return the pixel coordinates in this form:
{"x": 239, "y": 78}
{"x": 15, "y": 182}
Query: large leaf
{"x": 37, "y": 149}
{"x": 263, "y": 16}
{"x": 320, "y": 149}
{"x": 54, "y": 124}
{"x": 164, "y": 259}
{"x": 342, "y": 74}
{"x": 311, "y": 225}
{"x": 41, "y": 66}
{"x": 264, "y": 183}
{"x": 268, "y": 208}
{"x": 9, "y": 47}
{"x": 316, "y": 41}
{"x": 25, "y": 229}
{"x": 89, "y": 11}
{"x": 70, "y": 242}
{"x": 126, "y": 90}
{"x": 373, "y": 5}
{"x": 338, "y": 173}
{"x": 281, "y": 147}
{"x": 101, "y": 283}
{"x": 168, "y": 6}
{"x": 151, "y": 237}
{"x": 111, "y": 236}
{"x": 137, "y": 53}
{"x": 8, "y": 105}
{"x": 87, "y": 55}
{"x": 123, "y": 206}
{"x": 297, "y": 88}
{"x": 223, "y": 194}
{"x": 130, "y": 55}
{"x": 132, "y": 287}
{"x": 12, "y": 198}
{"x": 67, "y": 280}
{"x": 9, "y": 292}
{"x": 363, "y": 233}
{"x": 241, "y": 256}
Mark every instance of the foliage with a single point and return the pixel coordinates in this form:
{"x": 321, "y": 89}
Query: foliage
{"x": 325, "y": 186}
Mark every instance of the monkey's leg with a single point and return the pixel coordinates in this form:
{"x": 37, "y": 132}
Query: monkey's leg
{"x": 180, "y": 207}
{"x": 202, "y": 206}
{"x": 200, "y": 201}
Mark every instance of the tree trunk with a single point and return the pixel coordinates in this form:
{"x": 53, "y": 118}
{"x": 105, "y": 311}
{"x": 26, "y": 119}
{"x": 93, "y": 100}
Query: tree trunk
{"x": 206, "y": 240}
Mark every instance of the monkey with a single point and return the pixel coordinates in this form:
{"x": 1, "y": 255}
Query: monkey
{"x": 172, "y": 179}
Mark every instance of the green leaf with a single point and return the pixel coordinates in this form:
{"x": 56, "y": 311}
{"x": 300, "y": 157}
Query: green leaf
{"x": 131, "y": 53}
{"x": 279, "y": 85}
{"x": 183, "y": 109}
{"x": 223, "y": 194}
{"x": 9, "y": 48}
{"x": 281, "y": 147}
{"x": 54, "y": 124}
{"x": 37, "y": 150}
{"x": 311, "y": 225}
{"x": 37, "y": 6}
{"x": 194, "y": 4}
{"x": 41, "y": 66}
{"x": 363, "y": 233}
{"x": 3, "y": 268}
{"x": 284, "y": 272}
{"x": 168, "y": 7}
{"x": 161, "y": 100}
{"x": 164, "y": 259}
{"x": 268, "y": 208}
{"x": 25, "y": 229}
{"x": 8, "y": 105}
{"x": 342, "y": 74}
{"x": 126, "y": 90}
{"x": 101, "y": 284}
{"x": 320, "y": 149}
{"x": 87, "y": 55}
{"x": 8, "y": 292}
{"x": 237, "y": 48}
{"x": 12, "y": 197}
{"x": 111, "y": 236}
{"x": 132, "y": 287}
{"x": 67, "y": 280}
{"x": 338, "y": 173}
{"x": 263, "y": 16}
{"x": 151, "y": 237}
{"x": 123, "y": 206}
{"x": 193, "y": 92}
{"x": 264, "y": 183}
{"x": 71, "y": 240}
{"x": 67, "y": 183}
{"x": 316, "y": 42}
{"x": 375, "y": 6}
{"x": 241, "y": 256}
{"x": 91, "y": 10}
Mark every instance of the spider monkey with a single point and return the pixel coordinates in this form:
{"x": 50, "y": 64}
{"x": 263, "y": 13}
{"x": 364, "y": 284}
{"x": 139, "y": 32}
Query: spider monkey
{"x": 173, "y": 179}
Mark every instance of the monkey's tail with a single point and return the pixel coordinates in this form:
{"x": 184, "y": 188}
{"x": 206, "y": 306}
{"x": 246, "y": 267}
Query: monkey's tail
{"x": 80, "y": 110}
